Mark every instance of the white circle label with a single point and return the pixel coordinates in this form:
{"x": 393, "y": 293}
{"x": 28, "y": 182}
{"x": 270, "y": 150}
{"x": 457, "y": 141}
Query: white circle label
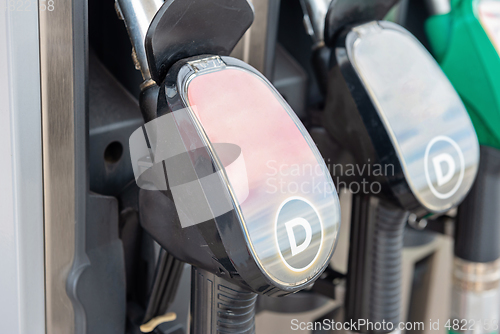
{"x": 443, "y": 159}
{"x": 299, "y": 233}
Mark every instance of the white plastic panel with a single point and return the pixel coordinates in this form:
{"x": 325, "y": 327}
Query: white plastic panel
{"x": 21, "y": 199}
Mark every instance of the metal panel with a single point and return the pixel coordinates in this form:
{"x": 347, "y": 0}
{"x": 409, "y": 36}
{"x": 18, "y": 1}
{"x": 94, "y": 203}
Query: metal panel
{"x": 257, "y": 46}
{"x": 63, "y": 52}
{"x": 21, "y": 198}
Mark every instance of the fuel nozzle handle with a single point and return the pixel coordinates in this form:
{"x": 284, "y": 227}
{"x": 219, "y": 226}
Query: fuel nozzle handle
{"x": 378, "y": 62}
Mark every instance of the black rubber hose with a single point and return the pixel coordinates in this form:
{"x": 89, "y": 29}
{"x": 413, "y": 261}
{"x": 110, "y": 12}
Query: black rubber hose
{"x": 166, "y": 281}
{"x": 385, "y": 296}
{"x": 374, "y": 269}
{"x": 218, "y": 306}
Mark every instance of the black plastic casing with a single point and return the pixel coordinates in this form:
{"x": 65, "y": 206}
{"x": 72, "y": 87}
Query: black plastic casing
{"x": 378, "y": 136}
{"x": 477, "y": 229}
{"x": 182, "y": 29}
{"x": 370, "y": 134}
{"x": 218, "y": 245}
{"x": 349, "y": 99}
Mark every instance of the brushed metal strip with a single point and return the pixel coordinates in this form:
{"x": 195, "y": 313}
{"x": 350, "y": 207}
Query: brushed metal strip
{"x": 251, "y": 47}
{"x": 258, "y": 35}
{"x": 257, "y": 45}
{"x": 58, "y": 134}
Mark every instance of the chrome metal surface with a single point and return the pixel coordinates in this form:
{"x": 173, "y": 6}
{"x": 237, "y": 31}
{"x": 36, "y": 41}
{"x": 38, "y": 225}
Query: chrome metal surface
{"x": 58, "y": 133}
{"x": 137, "y": 15}
{"x": 427, "y": 122}
{"x": 438, "y": 7}
{"x": 257, "y": 45}
{"x": 417, "y": 223}
{"x": 476, "y": 276}
{"x": 475, "y": 297}
{"x": 314, "y": 18}
{"x": 267, "y": 218}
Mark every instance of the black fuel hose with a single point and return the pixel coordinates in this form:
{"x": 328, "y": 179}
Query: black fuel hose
{"x": 218, "y": 306}
{"x": 374, "y": 269}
